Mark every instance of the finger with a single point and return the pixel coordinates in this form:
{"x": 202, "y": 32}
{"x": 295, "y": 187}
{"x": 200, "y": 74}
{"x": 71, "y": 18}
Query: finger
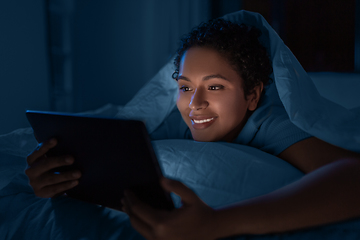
{"x": 44, "y": 165}
{"x": 140, "y": 226}
{"x": 53, "y": 190}
{"x": 143, "y": 228}
{"x": 41, "y": 150}
{"x": 125, "y": 207}
{"x": 49, "y": 178}
{"x": 186, "y": 194}
{"x": 141, "y": 210}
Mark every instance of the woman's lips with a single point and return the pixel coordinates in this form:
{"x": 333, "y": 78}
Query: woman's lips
{"x": 199, "y": 123}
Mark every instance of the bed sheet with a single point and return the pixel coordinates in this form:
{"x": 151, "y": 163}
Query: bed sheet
{"x": 220, "y": 173}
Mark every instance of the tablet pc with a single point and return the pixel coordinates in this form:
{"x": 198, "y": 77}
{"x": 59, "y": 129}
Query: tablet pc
{"x": 112, "y": 155}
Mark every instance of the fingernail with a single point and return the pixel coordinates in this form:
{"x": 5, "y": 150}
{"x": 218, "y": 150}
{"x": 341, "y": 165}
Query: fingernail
{"x": 76, "y": 174}
{"x": 68, "y": 160}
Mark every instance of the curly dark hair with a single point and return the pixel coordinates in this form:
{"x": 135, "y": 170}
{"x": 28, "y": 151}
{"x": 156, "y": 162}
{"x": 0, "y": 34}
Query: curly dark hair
{"x": 239, "y": 44}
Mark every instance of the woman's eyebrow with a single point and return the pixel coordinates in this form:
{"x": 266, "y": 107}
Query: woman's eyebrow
{"x": 205, "y": 78}
{"x": 183, "y": 78}
{"x": 215, "y": 76}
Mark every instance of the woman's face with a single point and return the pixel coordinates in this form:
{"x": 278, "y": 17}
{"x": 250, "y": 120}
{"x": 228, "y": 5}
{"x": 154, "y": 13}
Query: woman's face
{"x": 211, "y": 98}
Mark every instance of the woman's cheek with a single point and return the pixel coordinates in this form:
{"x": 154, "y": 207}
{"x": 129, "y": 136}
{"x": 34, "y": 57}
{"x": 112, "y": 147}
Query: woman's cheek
{"x": 182, "y": 103}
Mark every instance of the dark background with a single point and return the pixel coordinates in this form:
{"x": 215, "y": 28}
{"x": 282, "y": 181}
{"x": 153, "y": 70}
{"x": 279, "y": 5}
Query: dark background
{"x": 320, "y": 33}
{"x": 73, "y": 56}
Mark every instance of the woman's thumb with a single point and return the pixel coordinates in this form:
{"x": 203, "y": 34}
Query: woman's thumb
{"x": 185, "y": 193}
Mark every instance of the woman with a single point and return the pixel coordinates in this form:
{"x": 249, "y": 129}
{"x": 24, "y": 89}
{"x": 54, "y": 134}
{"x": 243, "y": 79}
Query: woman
{"x": 222, "y": 73}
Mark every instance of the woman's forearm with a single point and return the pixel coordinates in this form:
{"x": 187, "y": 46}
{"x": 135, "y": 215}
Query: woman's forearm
{"x": 328, "y": 194}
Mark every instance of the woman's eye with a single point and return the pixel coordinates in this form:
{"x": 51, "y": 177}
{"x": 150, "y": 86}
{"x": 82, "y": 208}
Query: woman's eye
{"x": 185, "y": 89}
{"x": 216, "y": 87}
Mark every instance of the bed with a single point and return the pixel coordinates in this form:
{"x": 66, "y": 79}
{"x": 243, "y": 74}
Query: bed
{"x": 220, "y": 173}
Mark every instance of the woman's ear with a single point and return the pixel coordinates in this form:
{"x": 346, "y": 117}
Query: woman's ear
{"x": 254, "y": 97}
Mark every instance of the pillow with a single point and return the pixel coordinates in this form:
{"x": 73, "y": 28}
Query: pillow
{"x": 223, "y": 173}
{"x": 333, "y": 85}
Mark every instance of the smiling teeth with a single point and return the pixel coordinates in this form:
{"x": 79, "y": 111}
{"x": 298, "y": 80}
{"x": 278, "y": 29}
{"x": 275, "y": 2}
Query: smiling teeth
{"x": 203, "y": 121}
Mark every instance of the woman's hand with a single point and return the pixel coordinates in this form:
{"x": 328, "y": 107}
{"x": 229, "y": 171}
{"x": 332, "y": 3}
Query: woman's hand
{"x": 46, "y": 183}
{"x": 194, "y": 220}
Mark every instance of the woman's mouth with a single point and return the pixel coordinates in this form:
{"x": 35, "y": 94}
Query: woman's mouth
{"x": 202, "y": 123}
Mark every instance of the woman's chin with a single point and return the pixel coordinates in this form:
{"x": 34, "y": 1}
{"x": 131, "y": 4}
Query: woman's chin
{"x": 204, "y": 138}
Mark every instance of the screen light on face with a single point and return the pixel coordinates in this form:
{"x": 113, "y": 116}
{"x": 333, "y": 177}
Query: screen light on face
{"x": 211, "y": 98}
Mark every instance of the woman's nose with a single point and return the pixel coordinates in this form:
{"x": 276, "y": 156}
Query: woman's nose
{"x": 198, "y": 100}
